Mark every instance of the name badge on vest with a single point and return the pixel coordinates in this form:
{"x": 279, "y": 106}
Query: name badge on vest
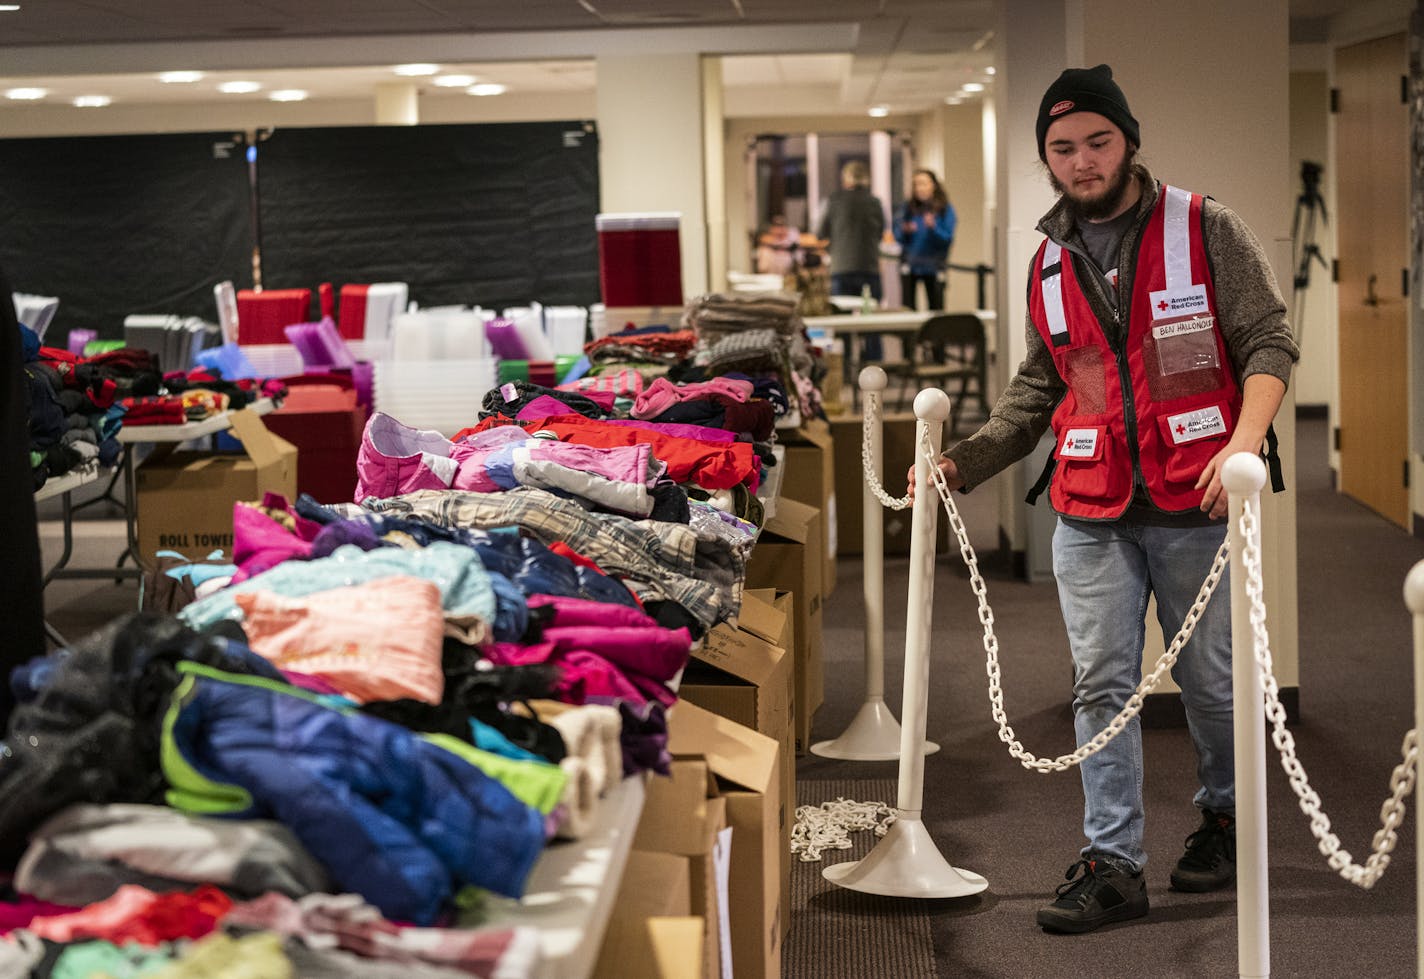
{"x": 1179, "y": 302}
{"x": 1192, "y": 425}
{"x": 1080, "y": 443}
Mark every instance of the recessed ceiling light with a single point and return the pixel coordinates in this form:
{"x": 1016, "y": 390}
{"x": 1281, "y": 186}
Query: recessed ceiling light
{"x": 991, "y": 70}
{"x": 26, "y": 94}
{"x": 289, "y": 95}
{"x": 180, "y": 77}
{"x": 239, "y": 88}
{"x": 973, "y": 87}
{"x": 879, "y": 111}
{"x": 92, "y": 101}
{"x": 952, "y": 100}
{"x": 487, "y": 88}
{"x": 415, "y": 71}
{"x": 9, "y": 8}
{"x": 454, "y": 81}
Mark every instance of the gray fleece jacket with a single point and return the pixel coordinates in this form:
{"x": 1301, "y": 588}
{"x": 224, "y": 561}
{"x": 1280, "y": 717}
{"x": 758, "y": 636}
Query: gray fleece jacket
{"x": 1250, "y": 311}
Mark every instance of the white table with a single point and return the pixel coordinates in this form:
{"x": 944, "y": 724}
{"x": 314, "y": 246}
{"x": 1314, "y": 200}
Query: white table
{"x": 888, "y": 321}
{"x": 128, "y": 436}
{"x": 62, "y": 486}
{"x": 570, "y": 892}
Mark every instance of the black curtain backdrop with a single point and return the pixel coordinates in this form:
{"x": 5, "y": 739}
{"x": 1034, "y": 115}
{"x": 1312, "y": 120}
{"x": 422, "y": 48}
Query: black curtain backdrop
{"x": 114, "y": 225}
{"x": 490, "y": 214}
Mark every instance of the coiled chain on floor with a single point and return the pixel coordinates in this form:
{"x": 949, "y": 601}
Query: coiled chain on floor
{"x": 1401, "y": 780}
{"x": 829, "y": 825}
{"x": 991, "y": 642}
{"x": 870, "y": 425}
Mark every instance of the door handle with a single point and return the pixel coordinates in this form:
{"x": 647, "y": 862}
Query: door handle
{"x": 1370, "y": 298}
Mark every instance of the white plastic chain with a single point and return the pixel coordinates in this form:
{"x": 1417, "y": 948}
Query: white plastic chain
{"x": 991, "y": 642}
{"x": 829, "y": 825}
{"x": 870, "y": 424}
{"x": 1401, "y": 780}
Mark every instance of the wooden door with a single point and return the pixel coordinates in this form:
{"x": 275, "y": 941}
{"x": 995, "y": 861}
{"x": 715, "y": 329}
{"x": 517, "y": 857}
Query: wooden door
{"x": 1372, "y": 190}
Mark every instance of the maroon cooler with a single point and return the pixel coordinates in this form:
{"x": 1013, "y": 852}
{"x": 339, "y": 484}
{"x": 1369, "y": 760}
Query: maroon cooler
{"x": 639, "y": 259}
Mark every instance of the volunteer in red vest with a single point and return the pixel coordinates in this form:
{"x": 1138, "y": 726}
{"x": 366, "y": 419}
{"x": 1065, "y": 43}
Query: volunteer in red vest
{"x": 1158, "y": 346}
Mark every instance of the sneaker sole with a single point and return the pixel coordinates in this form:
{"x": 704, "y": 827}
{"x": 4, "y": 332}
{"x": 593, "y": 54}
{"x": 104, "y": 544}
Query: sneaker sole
{"x": 1067, "y": 924}
{"x": 1190, "y": 885}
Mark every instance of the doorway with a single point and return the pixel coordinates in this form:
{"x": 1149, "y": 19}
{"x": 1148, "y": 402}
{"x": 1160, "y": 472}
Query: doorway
{"x": 1372, "y": 156}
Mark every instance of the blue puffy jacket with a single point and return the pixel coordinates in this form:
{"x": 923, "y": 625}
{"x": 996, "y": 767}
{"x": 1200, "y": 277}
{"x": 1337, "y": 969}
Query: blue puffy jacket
{"x": 396, "y": 819}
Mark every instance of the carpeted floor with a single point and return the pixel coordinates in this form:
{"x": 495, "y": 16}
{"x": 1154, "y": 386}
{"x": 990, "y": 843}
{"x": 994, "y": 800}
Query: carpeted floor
{"x": 1021, "y": 830}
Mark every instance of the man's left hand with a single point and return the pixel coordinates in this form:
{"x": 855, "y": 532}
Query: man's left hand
{"x": 1215, "y": 499}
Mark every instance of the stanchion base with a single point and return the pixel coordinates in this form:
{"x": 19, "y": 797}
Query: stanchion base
{"x": 874, "y": 735}
{"x": 906, "y": 863}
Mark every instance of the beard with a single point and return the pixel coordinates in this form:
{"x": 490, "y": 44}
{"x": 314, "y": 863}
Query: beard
{"x": 1106, "y": 204}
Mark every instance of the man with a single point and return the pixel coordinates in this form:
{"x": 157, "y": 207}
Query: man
{"x": 1158, "y": 345}
{"x": 22, "y": 619}
{"x": 853, "y": 225}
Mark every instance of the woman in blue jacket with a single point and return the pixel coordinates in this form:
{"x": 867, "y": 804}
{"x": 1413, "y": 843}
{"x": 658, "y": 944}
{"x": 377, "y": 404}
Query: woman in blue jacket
{"x": 925, "y": 230}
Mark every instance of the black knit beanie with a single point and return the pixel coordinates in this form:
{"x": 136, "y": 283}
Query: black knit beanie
{"x": 1085, "y": 90}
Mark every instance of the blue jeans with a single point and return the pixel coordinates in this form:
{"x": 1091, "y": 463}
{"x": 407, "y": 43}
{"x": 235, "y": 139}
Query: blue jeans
{"x": 1105, "y": 572}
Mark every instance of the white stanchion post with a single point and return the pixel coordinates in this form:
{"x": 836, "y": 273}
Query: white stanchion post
{"x": 1242, "y": 476}
{"x": 906, "y": 863}
{"x": 1414, "y": 600}
{"x": 873, "y": 734}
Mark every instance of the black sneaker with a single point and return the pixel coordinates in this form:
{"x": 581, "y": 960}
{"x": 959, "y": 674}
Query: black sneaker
{"x": 1096, "y": 893}
{"x": 1210, "y": 860}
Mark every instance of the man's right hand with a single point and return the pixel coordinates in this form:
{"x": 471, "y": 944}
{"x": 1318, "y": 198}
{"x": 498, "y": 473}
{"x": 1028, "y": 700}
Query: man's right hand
{"x": 951, "y": 476}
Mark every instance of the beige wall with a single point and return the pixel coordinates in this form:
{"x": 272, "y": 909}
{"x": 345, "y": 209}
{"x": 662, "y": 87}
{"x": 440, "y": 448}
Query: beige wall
{"x": 1316, "y": 316}
{"x": 650, "y": 143}
{"x": 1209, "y": 139}
{"x": 950, "y": 141}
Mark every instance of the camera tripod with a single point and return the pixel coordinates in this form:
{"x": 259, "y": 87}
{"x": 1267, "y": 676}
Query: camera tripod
{"x": 1303, "y": 240}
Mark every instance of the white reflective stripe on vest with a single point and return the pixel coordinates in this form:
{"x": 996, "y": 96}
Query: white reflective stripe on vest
{"x": 1053, "y": 289}
{"x": 1176, "y": 239}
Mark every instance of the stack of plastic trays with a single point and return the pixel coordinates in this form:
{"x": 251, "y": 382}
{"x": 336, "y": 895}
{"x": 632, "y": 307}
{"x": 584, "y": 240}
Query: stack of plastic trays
{"x": 444, "y": 395}
{"x": 438, "y": 370}
{"x": 567, "y": 329}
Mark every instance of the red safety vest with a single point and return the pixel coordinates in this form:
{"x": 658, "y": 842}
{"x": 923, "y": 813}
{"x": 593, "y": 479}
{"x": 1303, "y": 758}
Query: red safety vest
{"x": 1158, "y": 410}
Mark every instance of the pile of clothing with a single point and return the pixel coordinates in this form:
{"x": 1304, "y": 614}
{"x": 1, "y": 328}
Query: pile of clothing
{"x": 325, "y": 748}
{"x": 74, "y": 406}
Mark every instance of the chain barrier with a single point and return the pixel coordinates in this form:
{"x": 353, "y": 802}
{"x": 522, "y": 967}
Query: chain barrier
{"x": 991, "y": 642}
{"x": 870, "y": 424}
{"x": 1401, "y": 780}
{"x": 829, "y": 825}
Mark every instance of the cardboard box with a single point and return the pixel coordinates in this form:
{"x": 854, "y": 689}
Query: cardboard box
{"x": 183, "y": 500}
{"x": 787, "y": 557}
{"x": 810, "y": 478}
{"x": 784, "y": 604}
{"x": 744, "y": 675}
{"x": 325, "y": 424}
{"x": 747, "y": 767}
{"x": 654, "y": 885}
{"x": 682, "y": 815}
{"x": 677, "y": 947}
{"x": 898, "y": 435}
